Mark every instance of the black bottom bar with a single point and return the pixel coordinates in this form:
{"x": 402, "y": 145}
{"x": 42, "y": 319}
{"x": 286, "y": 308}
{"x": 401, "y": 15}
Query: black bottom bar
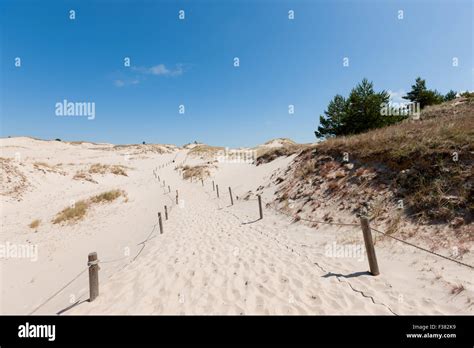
{"x": 332, "y": 330}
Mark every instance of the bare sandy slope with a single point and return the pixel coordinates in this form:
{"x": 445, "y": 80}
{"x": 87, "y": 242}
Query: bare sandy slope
{"x": 213, "y": 258}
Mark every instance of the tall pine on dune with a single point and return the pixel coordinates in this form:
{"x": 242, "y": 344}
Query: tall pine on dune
{"x": 334, "y": 120}
{"x": 358, "y": 113}
{"x": 424, "y": 96}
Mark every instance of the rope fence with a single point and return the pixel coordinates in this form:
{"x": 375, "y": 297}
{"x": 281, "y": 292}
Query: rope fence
{"x": 368, "y": 246}
{"x": 93, "y": 262}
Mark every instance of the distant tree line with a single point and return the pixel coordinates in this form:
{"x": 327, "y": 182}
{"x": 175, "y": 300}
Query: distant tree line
{"x": 361, "y": 110}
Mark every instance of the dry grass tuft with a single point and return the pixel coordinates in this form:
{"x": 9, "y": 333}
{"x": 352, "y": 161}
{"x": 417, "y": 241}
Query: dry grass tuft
{"x": 107, "y": 168}
{"x": 108, "y": 196}
{"x": 377, "y": 208}
{"x": 34, "y": 224}
{"x": 283, "y": 141}
{"x": 143, "y": 149}
{"x": 79, "y": 210}
{"x": 268, "y": 154}
{"x": 457, "y": 289}
{"x": 42, "y": 164}
{"x": 13, "y": 183}
{"x": 196, "y": 172}
{"x": 72, "y": 214}
{"x": 304, "y": 171}
{"x": 81, "y": 175}
{"x": 394, "y": 224}
{"x": 205, "y": 151}
{"x": 45, "y": 167}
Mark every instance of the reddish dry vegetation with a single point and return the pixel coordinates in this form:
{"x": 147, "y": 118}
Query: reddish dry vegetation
{"x": 265, "y": 155}
{"x": 13, "y": 182}
{"x": 426, "y": 165}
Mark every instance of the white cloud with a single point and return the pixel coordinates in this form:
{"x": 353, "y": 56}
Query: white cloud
{"x": 161, "y": 70}
{"x": 396, "y": 96}
{"x": 140, "y": 73}
{"x": 119, "y": 83}
{"x": 126, "y": 82}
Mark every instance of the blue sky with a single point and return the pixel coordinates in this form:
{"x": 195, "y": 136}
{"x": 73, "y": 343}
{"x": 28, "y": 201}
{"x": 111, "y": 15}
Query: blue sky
{"x": 190, "y": 62}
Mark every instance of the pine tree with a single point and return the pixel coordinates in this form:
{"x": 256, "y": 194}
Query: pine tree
{"x": 358, "y": 113}
{"x": 420, "y": 94}
{"x": 450, "y": 95}
{"x": 365, "y": 108}
{"x": 334, "y": 120}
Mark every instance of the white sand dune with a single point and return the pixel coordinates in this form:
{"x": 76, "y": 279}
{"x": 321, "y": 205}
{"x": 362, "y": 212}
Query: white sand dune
{"x": 212, "y": 258}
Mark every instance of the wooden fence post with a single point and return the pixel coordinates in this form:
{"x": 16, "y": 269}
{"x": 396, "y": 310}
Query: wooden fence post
{"x": 260, "y": 206}
{"x": 158, "y": 178}
{"x": 369, "y": 246}
{"x": 217, "y": 189}
{"x": 202, "y": 182}
{"x": 169, "y": 189}
{"x": 230, "y": 194}
{"x": 93, "y": 264}
{"x": 177, "y": 197}
{"x": 160, "y": 222}
{"x": 213, "y": 186}
{"x": 166, "y": 212}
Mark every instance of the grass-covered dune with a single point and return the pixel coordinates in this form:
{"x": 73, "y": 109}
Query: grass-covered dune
{"x": 424, "y": 167}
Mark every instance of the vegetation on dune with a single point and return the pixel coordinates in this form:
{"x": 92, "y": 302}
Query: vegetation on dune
{"x": 81, "y": 175}
{"x": 281, "y": 140}
{"x": 77, "y": 211}
{"x": 98, "y": 168}
{"x": 424, "y": 96}
{"x": 201, "y": 171}
{"x": 268, "y": 154}
{"x": 116, "y": 169}
{"x": 205, "y": 151}
{"x": 13, "y": 182}
{"x": 34, "y": 224}
{"x": 358, "y": 113}
{"x": 425, "y": 161}
{"x": 364, "y": 109}
{"x": 73, "y": 213}
{"x": 143, "y": 148}
{"x": 45, "y": 167}
{"x": 427, "y": 164}
{"x": 107, "y": 196}
{"x": 41, "y": 164}
{"x": 408, "y": 141}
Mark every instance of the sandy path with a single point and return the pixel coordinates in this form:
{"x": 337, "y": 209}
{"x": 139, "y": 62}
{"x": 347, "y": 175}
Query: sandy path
{"x": 208, "y": 262}
{"x": 210, "y": 258}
